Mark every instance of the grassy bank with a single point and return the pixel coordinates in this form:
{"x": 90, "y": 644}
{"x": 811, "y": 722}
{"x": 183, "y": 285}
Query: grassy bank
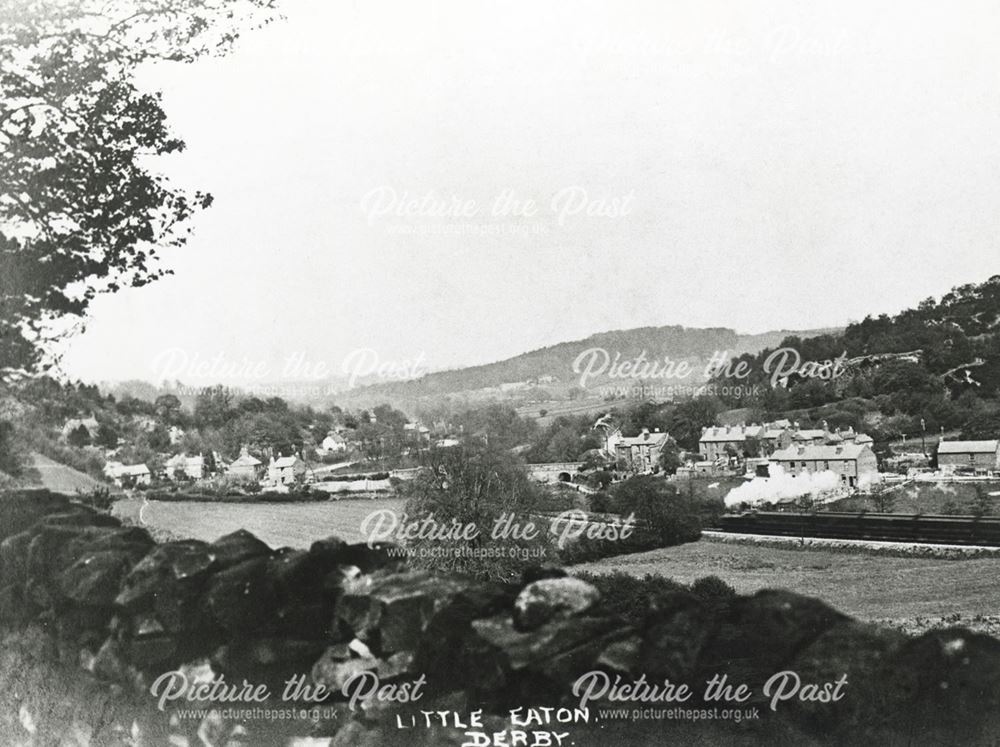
{"x": 867, "y": 586}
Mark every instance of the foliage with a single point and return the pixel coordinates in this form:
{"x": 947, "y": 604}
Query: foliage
{"x": 670, "y": 517}
{"x": 81, "y": 211}
{"x": 713, "y": 589}
{"x": 662, "y": 517}
{"x": 636, "y": 597}
{"x": 499, "y": 425}
{"x": 670, "y": 457}
{"x": 945, "y": 373}
{"x": 79, "y": 437}
{"x": 13, "y": 461}
{"x": 475, "y": 484}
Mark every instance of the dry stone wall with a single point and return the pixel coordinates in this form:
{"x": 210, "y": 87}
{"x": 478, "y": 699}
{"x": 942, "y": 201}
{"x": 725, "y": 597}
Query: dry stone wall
{"x": 99, "y": 621}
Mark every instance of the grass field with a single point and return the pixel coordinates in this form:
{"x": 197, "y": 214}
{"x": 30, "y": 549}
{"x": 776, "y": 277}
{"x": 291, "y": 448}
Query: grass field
{"x": 865, "y": 586}
{"x": 278, "y": 524}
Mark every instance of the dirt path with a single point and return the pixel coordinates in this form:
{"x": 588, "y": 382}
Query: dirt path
{"x": 62, "y": 479}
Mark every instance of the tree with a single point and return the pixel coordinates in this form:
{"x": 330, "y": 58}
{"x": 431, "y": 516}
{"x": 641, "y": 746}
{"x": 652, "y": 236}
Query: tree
{"x": 107, "y": 436}
{"x": 12, "y": 461}
{"x": 689, "y": 417}
{"x": 79, "y": 437}
{"x": 213, "y": 407}
{"x": 168, "y": 409}
{"x": 475, "y": 484}
{"x": 158, "y": 438}
{"x": 81, "y": 212}
{"x": 667, "y": 516}
{"x": 670, "y": 457}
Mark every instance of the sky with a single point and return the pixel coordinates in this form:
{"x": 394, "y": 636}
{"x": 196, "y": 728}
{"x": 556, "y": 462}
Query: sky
{"x": 437, "y": 184}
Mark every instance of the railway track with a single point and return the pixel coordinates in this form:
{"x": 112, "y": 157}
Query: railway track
{"x": 948, "y": 530}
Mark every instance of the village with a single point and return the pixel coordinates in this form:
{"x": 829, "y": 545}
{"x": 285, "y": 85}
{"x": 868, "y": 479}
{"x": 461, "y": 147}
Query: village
{"x": 820, "y": 463}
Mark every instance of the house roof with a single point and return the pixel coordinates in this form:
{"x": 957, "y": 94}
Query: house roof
{"x": 723, "y": 433}
{"x": 772, "y": 432}
{"x": 644, "y": 439}
{"x": 133, "y": 469}
{"x": 808, "y": 434}
{"x": 819, "y": 452}
{"x": 968, "y": 447}
{"x": 288, "y": 461}
{"x": 245, "y": 460}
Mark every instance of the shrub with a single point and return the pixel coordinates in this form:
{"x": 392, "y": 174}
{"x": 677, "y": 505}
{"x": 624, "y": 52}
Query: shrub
{"x": 712, "y": 589}
{"x": 600, "y": 502}
{"x": 634, "y": 597}
{"x": 667, "y": 516}
{"x": 662, "y": 517}
{"x": 630, "y": 596}
{"x": 476, "y": 484}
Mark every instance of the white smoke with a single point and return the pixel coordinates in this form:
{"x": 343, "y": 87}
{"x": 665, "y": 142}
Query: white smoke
{"x": 781, "y": 485}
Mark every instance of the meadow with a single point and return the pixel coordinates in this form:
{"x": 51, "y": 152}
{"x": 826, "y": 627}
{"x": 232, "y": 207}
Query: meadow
{"x": 278, "y": 524}
{"x": 869, "y": 587}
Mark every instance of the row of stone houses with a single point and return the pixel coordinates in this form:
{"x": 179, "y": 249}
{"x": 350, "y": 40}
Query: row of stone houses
{"x": 281, "y": 471}
{"x": 851, "y": 462}
{"x": 762, "y": 439}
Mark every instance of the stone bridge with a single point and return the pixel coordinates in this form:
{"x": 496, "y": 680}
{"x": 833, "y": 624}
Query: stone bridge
{"x": 553, "y": 471}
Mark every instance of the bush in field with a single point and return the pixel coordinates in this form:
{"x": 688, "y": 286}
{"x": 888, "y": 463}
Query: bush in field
{"x": 600, "y": 479}
{"x": 662, "y": 517}
{"x": 666, "y": 515}
{"x": 476, "y": 484}
{"x": 600, "y": 502}
{"x": 631, "y": 596}
{"x": 634, "y": 597}
{"x": 713, "y": 589}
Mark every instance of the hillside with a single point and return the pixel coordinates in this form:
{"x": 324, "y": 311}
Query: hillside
{"x": 554, "y": 371}
{"x": 932, "y": 367}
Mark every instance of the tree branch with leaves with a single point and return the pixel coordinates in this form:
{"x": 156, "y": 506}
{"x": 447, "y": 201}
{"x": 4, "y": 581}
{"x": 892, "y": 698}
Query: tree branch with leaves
{"x": 81, "y": 210}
